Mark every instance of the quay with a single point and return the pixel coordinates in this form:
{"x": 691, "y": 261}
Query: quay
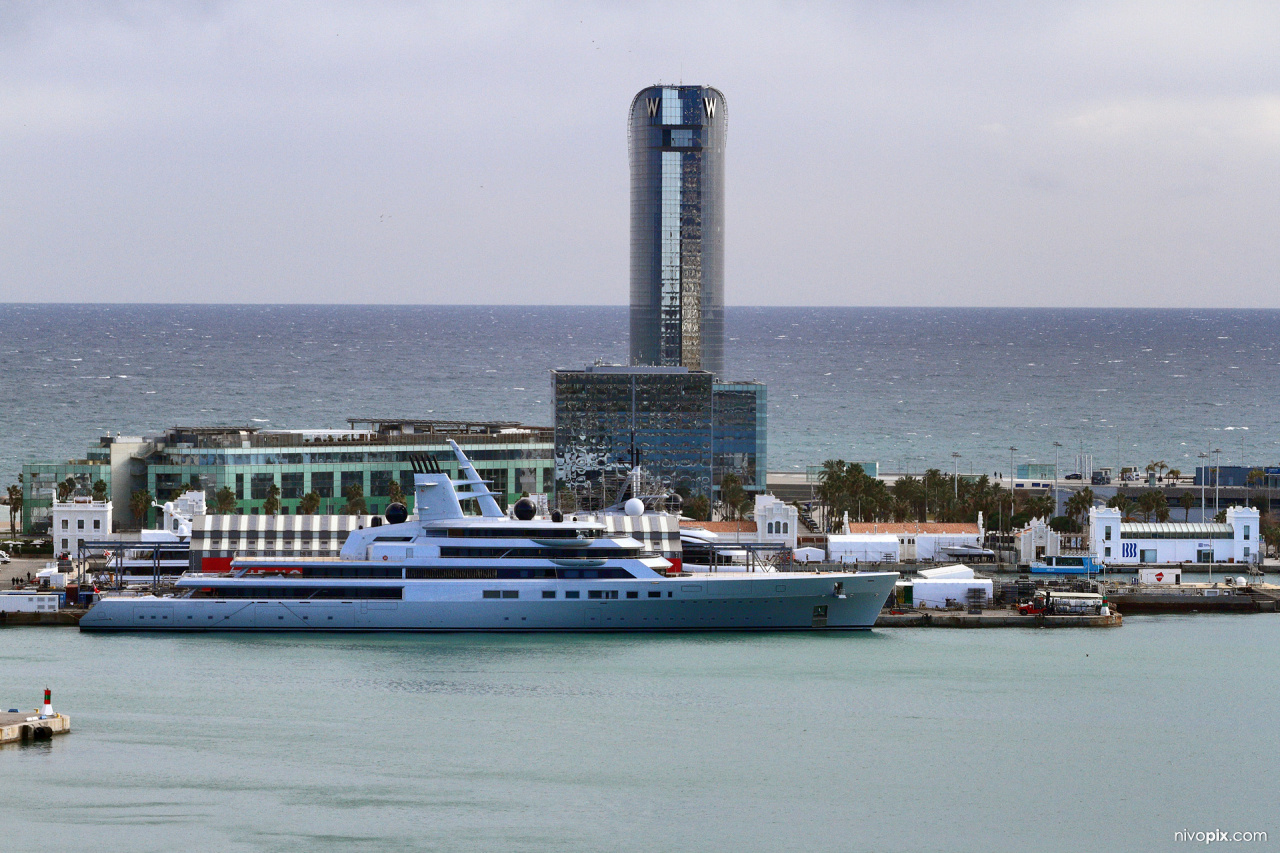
{"x": 67, "y": 617}
{"x": 993, "y": 619}
{"x": 26, "y": 727}
{"x": 1193, "y": 598}
{"x": 29, "y": 727}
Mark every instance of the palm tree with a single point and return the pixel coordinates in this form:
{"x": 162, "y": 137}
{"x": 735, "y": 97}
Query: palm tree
{"x": 395, "y": 494}
{"x": 697, "y": 507}
{"x": 66, "y": 488}
{"x": 224, "y": 501}
{"x": 355, "y": 500}
{"x": 1256, "y": 476}
{"x": 1121, "y": 502}
{"x": 1079, "y": 504}
{"x": 100, "y": 490}
{"x": 733, "y": 496}
{"x": 15, "y": 507}
{"x": 310, "y": 504}
{"x": 1161, "y": 467}
{"x": 1153, "y": 503}
{"x": 1173, "y": 476}
{"x": 271, "y": 506}
{"x": 1186, "y": 500}
{"x": 139, "y": 504}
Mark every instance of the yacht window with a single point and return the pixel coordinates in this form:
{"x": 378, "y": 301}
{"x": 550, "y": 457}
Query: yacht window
{"x": 573, "y": 593}
{"x": 595, "y": 593}
{"x": 548, "y": 593}
{"x": 653, "y": 593}
{"x": 511, "y": 593}
{"x": 633, "y": 594}
{"x": 492, "y": 593}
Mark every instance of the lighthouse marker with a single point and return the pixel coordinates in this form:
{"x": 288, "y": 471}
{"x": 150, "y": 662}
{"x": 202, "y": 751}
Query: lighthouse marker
{"x": 47, "y": 711}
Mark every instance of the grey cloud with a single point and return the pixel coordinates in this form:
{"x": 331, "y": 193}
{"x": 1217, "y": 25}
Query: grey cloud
{"x": 879, "y": 153}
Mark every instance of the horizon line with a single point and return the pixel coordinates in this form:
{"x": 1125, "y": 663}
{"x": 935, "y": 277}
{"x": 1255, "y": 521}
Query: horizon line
{"x": 7, "y": 304}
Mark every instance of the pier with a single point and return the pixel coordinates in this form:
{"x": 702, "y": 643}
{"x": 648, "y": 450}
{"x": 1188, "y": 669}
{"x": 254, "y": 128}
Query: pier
{"x": 30, "y": 727}
{"x": 993, "y": 619}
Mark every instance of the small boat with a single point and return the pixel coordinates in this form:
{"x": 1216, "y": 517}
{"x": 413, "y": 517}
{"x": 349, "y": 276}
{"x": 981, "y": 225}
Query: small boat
{"x": 1080, "y": 565}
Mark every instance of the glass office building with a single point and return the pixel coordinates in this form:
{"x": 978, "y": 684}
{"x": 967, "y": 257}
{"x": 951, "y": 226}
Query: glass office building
{"x": 370, "y": 454}
{"x": 686, "y": 429}
{"x": 676, "y": 137}
{"x": 739, "y": 430}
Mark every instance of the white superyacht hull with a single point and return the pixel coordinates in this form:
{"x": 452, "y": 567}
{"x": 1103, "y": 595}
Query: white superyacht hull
{"x": 719, "y": 602}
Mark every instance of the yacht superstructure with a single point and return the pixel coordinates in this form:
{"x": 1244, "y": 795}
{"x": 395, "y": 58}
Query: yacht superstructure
{"x": 448, "y": 571}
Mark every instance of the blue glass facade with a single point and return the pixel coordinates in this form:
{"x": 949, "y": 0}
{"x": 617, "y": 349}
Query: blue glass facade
{"x": 688, "y": 429}
{"x": 676, "y": 139}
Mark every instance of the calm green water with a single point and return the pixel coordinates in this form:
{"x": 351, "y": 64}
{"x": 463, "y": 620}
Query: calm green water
{"x": 893, "y": 740}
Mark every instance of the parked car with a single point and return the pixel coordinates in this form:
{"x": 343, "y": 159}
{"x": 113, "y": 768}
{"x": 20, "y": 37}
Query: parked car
{"x": 1076, "y": 476}
{"x": 1100, "y": 480}
{"x": 4, "y": 558}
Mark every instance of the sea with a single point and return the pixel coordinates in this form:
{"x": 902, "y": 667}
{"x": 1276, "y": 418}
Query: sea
{"x": 904, "y": 387}
{"x": 889, "y": 740}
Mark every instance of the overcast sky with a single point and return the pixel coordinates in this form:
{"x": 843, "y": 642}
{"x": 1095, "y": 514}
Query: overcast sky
{"x": 892, "y": 153}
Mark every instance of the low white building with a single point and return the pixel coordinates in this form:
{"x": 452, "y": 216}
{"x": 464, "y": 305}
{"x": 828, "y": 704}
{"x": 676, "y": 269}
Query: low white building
{"x": 76, "y": 520}
{"x": 923, "y": 541}
{"x": 776, "y": 521}
{"x": 1117, "y": 542}
{"x": 1036, "y": 541}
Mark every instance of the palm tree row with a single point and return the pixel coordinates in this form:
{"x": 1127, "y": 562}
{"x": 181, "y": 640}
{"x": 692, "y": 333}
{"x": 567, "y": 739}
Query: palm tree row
{"x": 846, "y": 488}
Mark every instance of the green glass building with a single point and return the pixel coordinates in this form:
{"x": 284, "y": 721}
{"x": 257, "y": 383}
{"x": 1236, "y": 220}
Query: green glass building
{"x": 371, "y": 453}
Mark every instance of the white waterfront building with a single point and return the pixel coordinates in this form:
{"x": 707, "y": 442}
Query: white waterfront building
{"x": 1117, "y": 542}
{"x": 78, "y": 519}
{"x": 776, "y": 521}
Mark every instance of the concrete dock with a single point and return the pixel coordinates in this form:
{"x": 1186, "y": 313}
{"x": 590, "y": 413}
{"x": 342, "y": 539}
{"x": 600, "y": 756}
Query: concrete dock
{"x": 28, "y": 727}
{"x": 991, "y": 619}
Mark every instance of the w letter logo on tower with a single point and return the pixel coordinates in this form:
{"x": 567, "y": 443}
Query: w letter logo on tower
{"x": 653, "y": 105}
{"x": 709, "y": 104}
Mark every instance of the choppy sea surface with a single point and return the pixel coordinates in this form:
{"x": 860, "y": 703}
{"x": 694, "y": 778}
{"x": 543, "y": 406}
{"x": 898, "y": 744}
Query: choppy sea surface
{"x": 894, "y": 740}
{"x": 905, "y": 387}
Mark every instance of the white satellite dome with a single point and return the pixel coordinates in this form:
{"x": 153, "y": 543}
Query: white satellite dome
{"x": 634, "y": 507}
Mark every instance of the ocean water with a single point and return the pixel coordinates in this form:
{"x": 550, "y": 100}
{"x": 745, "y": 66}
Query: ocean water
{"x": 905, "y": 387}
{"x": 909, "y": 740}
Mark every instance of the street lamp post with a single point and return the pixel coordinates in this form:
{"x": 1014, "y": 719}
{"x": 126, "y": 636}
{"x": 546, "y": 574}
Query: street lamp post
{"x": 1217, "y": 479}
{"x": 1056, "y": 446}
{"x": 955, "y": 481}
{"x": 1204, "y": 471}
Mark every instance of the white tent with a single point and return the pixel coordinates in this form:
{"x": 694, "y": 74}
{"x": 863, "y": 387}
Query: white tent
{"x": 863, "y": 548}
{"x": 934, "y": 593}
{"x": 953, "y": 571}
{"x": 810, "y": 555}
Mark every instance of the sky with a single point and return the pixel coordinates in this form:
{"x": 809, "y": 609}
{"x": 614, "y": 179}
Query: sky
{"x": 901, "y": 153}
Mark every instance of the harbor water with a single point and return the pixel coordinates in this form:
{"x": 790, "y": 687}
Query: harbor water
{"x": 889, "y": 740}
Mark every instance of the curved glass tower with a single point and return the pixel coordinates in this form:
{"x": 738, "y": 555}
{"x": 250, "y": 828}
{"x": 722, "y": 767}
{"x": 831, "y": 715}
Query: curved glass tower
{"x": 675, "y": 138}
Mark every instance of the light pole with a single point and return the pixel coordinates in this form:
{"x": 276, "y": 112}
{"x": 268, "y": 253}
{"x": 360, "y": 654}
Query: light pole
{"x": 1204, "y": 476}
{"x": 1217, "y": 480}
{"x": 955, "y": 481}
{"x": 1012, "y": 450}
{"x": 1056, "y": 446}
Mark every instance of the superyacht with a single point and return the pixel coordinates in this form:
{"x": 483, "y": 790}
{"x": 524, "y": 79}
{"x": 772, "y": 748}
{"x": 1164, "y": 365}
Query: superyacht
{"x": 447, "y": 570}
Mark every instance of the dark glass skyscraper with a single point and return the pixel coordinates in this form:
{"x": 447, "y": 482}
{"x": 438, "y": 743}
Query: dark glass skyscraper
{"x": 676, "y": 138}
